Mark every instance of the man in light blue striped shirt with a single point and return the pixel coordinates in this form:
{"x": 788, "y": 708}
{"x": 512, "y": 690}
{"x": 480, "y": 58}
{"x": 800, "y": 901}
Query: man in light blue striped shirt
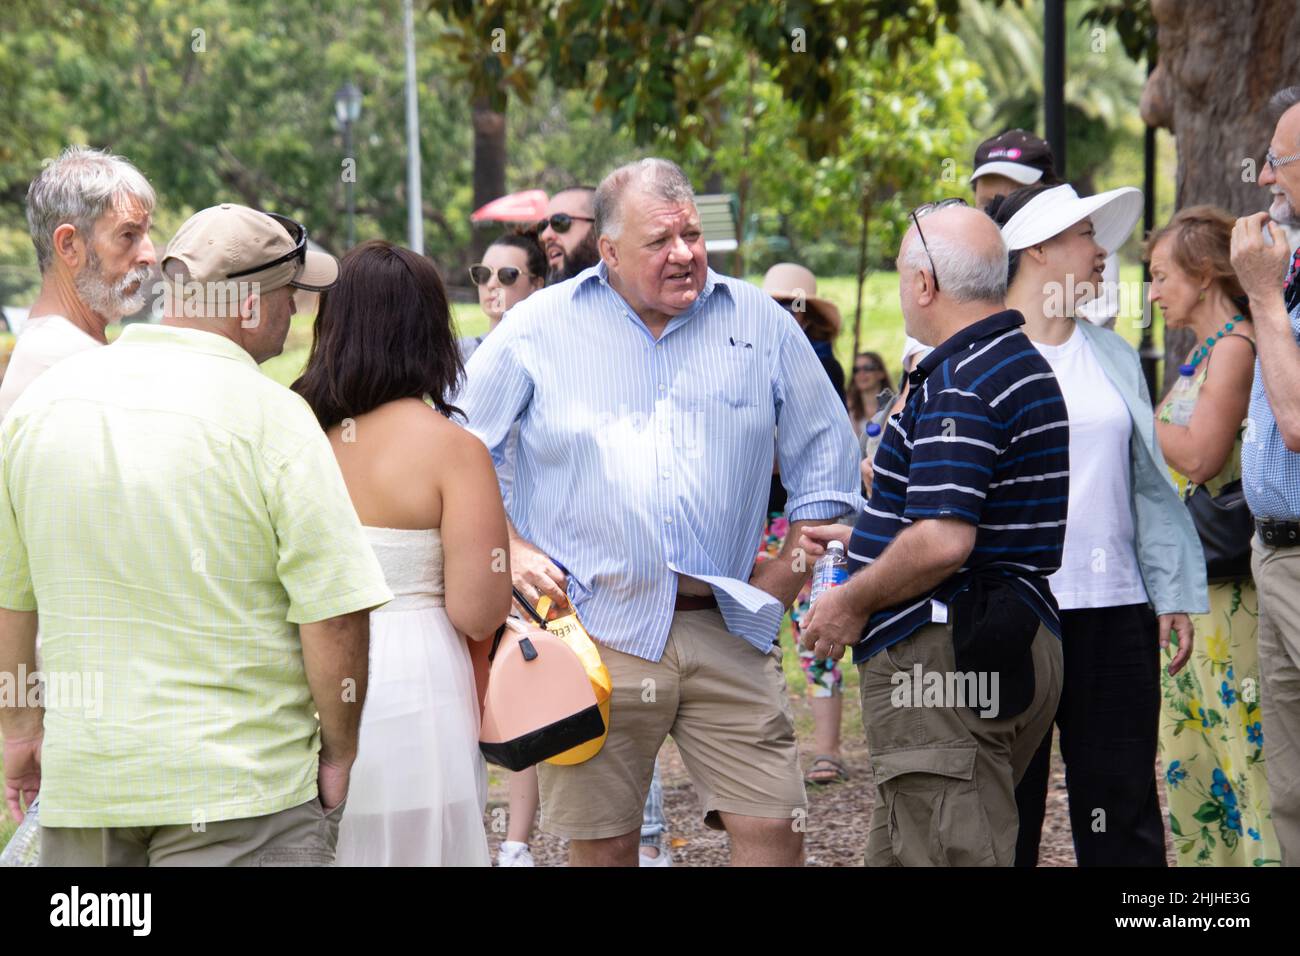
{"x": 648, "y": 391}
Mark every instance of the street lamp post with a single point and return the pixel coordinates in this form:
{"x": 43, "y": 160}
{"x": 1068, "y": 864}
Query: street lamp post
{"x": 347, "y": 110}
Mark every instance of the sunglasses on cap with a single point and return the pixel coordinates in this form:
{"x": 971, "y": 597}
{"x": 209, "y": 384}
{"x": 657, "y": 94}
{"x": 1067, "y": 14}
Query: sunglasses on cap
{"x": 480, "y": 274}
{"x": 297, "y": 232}
{"x": 561, "y": 222}
{"x": 924, "y": 210}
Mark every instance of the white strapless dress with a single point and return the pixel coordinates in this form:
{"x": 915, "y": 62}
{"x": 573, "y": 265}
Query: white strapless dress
{"x": 419, "y": 784}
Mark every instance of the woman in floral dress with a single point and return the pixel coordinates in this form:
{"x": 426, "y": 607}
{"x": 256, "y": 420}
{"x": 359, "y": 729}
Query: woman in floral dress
{"x": 1211, "y": 733}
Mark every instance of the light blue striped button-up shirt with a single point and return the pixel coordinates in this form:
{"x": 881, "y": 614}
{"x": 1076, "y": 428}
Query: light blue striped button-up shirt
{"x": 1270, "y": 472}
{"x": 639, "y": 459}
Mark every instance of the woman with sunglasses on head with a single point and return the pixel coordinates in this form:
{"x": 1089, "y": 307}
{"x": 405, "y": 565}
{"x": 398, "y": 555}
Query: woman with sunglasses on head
{"x": 869, "y": 390}
{"x": 1132, "y": 568}
{"x": 382, "y": 361}
{"x": 513, "y": 268}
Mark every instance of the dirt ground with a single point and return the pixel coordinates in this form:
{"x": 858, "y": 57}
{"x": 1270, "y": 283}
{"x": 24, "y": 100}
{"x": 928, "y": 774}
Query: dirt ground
{"x": 837, "y": 814}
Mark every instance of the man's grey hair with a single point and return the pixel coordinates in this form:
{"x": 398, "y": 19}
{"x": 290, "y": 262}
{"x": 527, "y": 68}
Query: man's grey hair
{"x": 660, "y": 178}
{"x": 968, "y": 273}
{"x": 1283, "y": 100}
{"x": 78, "y": 188}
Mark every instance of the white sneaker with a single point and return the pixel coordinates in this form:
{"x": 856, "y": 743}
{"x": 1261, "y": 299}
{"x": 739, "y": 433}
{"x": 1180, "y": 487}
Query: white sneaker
{"x": 514, "y": 854}
{"x": 663, "y": 858}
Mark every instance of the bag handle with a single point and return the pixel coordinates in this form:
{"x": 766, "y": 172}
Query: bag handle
{"x": 532, "y": 611}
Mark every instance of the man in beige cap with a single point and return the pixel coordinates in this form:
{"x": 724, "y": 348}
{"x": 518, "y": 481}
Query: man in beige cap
{"x": 181, "y": 523}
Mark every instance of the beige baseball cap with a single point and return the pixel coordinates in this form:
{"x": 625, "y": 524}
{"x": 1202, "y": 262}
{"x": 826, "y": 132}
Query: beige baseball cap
{"x": 232, "y": 242}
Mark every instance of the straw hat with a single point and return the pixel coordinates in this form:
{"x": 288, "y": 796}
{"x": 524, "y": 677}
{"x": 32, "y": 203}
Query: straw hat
{"x": 788, "y": 282}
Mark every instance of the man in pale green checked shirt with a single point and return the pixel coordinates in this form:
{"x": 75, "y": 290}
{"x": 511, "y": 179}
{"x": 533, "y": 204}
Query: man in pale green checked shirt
{"x": 180, "y": 524}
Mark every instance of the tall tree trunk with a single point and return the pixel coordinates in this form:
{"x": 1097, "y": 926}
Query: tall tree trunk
{"x": 1220, "y": 61}
{"x": 489, "y": 166}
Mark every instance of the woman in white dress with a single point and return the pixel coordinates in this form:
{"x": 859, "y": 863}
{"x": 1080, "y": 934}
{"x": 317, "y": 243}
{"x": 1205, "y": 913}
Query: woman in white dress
{"x": 382, "y": 354}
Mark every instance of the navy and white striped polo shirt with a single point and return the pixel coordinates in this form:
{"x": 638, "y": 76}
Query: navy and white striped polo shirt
{"x": 984, "y": 437}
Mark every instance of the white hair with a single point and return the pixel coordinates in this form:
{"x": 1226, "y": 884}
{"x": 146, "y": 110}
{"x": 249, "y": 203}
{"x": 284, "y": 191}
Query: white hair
{"x": 661, "y": 178}
{"x": 1283, "y": 100}
{"x": 78, "y": 188}
{"x": 970, "y": 273}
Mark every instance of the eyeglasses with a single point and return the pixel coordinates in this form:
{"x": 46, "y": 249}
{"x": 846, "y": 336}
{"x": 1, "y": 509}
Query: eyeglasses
{"x": 924, "y": 210}
{"x": 867, "y": 368}
{"x": 480, "y": 274}
{"x": 561, "y": 222}
{"x": 297, "y": 231}
{"x": 1276, "y": 161}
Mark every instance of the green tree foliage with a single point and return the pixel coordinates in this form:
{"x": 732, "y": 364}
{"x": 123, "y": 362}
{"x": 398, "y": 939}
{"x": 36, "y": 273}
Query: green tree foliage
{"x": 1102, "y": 83}
{"x": 217, "y": 100}
{"x": 653, "y": 64}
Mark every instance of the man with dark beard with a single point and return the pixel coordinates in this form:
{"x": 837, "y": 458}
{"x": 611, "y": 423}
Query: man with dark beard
{"x": 566, "y": 234}
{"x": 89, "y": 214}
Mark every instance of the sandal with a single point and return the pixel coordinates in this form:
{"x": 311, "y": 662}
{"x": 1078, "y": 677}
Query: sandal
{"x": 826, "y": 769}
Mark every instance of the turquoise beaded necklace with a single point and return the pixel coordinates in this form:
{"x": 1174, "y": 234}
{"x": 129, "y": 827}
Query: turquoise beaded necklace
{"x": 1204, "y": 350}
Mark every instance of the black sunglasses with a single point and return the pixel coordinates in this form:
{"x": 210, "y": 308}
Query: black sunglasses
{"x": 867, "y": 368}
{"x": 480, "y": 274}
{"x": 924, "y": 210}
{"x": 561, "y": 222}
{"x": 297, "y": 232}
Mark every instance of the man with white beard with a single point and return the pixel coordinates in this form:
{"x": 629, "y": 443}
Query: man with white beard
{"x": 1270, "y": 458}
{"x": 89, "y": 214}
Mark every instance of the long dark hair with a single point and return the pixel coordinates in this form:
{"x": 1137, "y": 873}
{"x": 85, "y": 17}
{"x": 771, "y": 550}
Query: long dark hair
{"x": 383, "y": 332}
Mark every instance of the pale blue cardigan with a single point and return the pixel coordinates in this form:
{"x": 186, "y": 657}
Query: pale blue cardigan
{"x": 1168, "y": 547}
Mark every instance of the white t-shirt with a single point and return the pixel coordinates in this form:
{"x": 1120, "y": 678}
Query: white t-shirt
{"x": 44, "y": 342}
{"x": 1099, "y": 567}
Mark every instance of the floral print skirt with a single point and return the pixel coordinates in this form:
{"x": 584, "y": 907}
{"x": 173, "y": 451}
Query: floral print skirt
{"x": 1212, "y": 739}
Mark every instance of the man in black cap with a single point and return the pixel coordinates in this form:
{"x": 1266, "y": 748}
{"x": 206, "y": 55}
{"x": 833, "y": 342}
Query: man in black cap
{"x": 1008, "y": 161}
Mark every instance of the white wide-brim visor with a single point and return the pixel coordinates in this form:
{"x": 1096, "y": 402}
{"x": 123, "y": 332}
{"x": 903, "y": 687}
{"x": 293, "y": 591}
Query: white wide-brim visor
{"x": 1114, "y": 213}
{"x": 1016, "y": 172}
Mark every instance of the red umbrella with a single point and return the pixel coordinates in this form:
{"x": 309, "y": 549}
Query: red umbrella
{"x": 527, "y": 206}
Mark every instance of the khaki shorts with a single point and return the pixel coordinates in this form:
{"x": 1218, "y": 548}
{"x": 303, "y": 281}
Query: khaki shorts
{"x": 304, "y": 835}
{"x": 726, "y": 706}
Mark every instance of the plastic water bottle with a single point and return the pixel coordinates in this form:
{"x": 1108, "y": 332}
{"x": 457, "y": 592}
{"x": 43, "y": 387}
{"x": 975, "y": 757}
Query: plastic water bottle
{"x": 830, "y": 571}
{"x": 24, "y": 847}
{"x": 874, "y": 435}
{"x": 1182, "y": 399}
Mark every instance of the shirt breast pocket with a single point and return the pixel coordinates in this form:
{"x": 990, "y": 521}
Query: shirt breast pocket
{"x": 732, "y": 380}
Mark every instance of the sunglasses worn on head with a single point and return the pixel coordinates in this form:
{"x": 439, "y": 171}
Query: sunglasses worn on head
{"x": 480, "y": 274}
{"x": 297, "y": 231}
{"x": 561, "y": 222}
{"x": 924, "y": 210}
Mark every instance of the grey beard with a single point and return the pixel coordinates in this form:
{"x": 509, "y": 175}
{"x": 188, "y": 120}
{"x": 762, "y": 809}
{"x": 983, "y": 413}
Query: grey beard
{"x": 1288, "y": 216}
{"x": 109, "y": 299}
